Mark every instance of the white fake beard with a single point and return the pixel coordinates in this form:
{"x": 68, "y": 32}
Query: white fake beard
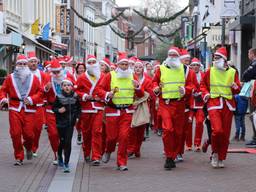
{"x": 173, "y": 62}
{"x": 123, "y": 73}
{"x": 94, "y": 70}
{"x": 219, "y": 64}
{"x": 69, "y": 69}
{"x": 58, "y": 78}
{"x": 22, "y": 72}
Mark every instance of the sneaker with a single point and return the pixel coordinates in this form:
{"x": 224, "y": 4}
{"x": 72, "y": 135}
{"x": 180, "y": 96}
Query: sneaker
{"x": 87, "y": 159}
{"x": 55, "y": 162}
{"x": 29, "y": 155}
{"x": 197, "y": 149}
{"x": 123, "y": 168}
{"x": 179, "y": 158}
{"x": 60, "y": 162}
{"x": 221, "y": 164}
{"x": 159, "y": 132}
{"x": 18, "y": 162}
{"x": 205, "y": 146}
{"x": 66, "y": 168}
{"x": 188, "y": 148}
{"x": 106, "y": 157}
{"x": 169, "y": 164}
{"x": 235, "y": 138}
{"x": 35, "y": 155}
{"x": 242, "y": 138}
{"x": 251, "y": 143}
{"x": 131, "y": 155}
{"x": 79, "y": 139}
{"x": 214, "y": 161}
{"x": 95, "y": 163}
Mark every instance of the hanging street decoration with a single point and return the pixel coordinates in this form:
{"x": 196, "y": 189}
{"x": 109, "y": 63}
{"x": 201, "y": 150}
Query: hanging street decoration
{"x": 123, "y": 35}
{"x": 93, "y": 24}
{"x": 170, "y": 35}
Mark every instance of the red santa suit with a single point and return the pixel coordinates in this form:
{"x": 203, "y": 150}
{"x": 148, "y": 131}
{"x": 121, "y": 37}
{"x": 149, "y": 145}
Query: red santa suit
{"x": 50, "y": 95}
{"x": 21, "y": 116}
{"x": 196, "y": 111}
{"x": 92, "y": 115}
{"x": 136, "y": 134}
{"x": 118, "y": 122}
{"x": 172, "y": 115}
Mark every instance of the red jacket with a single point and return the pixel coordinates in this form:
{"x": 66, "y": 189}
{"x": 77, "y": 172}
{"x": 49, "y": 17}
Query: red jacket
{"x": 105, "y": 88}
{"x": 10, "y": 91}
{"x": 196, "y": 104}
{"x": 217, "y": 103}
{"x": 86, "y": 86}
{"x": 189, "y": 84}
{"x": 43, "y": 79}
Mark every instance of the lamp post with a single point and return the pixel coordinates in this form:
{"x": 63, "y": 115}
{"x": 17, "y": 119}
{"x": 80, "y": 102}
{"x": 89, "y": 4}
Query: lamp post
{"x": 204, "y": 30}
{"x": 196, "y": 13}
{"x": 23, "y": 46}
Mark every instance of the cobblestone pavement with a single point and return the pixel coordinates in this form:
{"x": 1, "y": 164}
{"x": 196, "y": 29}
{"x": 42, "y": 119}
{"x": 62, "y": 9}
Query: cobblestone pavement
{"x": 146, "y": 174}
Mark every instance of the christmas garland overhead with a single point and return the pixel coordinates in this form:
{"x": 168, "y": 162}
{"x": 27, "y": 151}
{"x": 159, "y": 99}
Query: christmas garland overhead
{"x": 93, "y": 24}
{"x": 162, "y": 19}
{"x": 165, "y": 35}
{"x": 123, "y": 36}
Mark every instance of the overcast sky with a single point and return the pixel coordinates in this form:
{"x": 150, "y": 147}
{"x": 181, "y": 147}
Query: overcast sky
{"x": 137, "y": 2}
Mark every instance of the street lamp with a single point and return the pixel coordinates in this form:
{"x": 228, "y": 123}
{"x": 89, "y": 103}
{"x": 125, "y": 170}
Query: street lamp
{"x": 205, "y": 29}
{"x": 23, "y": 46}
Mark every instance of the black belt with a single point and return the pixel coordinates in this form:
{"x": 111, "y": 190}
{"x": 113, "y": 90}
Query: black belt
{"x": 15, "y": 99}
{"x": 121, "y": 106}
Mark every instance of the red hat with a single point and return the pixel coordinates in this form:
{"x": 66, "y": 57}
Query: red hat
{"x": 175, "y": 50}
{"x": 90, "y": 58}
{"x": 32, "y": 56}
{"x": 133, "y": 59}
{"x": 67, "y": 80}
{"x": 184, "y": 54}
{"x": 55, "y": 65}
{"x": 61, "y": 60}
{"x": 195, "y": 61}
{"x": 106, "y": 61}
{"x": 21, "y": 59}
{"x": 138, "y": 62}
{"x": 113, "y": 66}
{"x": 68, "y": 59}
{"x": 47, "y": 64}
{"x": 222, "y": 52}
{"x": 122, "y": 57}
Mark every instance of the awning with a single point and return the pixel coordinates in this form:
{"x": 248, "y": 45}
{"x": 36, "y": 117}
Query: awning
{"x": 56, "y": 45}
{"x": 13, "y": 38}
{"x": 38, "y": 45}
{"x": 242, "y": 22}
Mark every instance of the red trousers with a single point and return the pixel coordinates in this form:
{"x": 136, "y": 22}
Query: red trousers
{"x": 92, "y": 134}
{"x": 79, "y": 126}
{"x": 221, "y": 120}
{"x": 20, "y": 127}
{"x": 52, "y": 131}
{"x": 39, "y": 122}
{"x": 184, "y": 133}
{"x": 104, "y": 137}
{"x": 198, "y": 114}
{"x": 172, "y": 116}
{"x": 135, "y": 139}
{"x": 117, "y": 130}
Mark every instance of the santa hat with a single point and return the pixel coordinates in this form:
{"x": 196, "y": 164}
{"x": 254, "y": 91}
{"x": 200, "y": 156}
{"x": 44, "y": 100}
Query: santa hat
{"x": 138, "y": 62}
{"x": 222, "y": 52}
{"x": 67, "y": 80}
{"x": 184, "y": 54}
{"x": 90, "y": 58}
{"x": 175, "y": 50}
{"x": 47, "y": 64}
{"x": 195, "y": 61}
{"x": 61, "y": 60}
{"x": 133, "y": 59}
{"x": 106, "y": 61}
{"x": 122, "y": 57}
{"x": 32, "y": 56}
{"x": 113, "y": 66}
{"x": 21, "y": 59}
{"x": 55, "y": 65}
{"x": 68, "y": 59}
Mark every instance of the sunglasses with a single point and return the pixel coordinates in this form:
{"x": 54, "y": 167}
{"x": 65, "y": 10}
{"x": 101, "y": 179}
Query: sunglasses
{"x": 56, "y": 72}
{"x": 21, "y": 64}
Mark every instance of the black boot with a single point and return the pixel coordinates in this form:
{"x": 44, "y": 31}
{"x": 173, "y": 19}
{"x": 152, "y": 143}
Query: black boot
{"x": 167, "y": 164}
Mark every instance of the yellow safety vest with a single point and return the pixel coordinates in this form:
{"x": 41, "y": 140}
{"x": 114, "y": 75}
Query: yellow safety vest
{"x": 221, "y": 81}
{"x": 125, "y": 89}
{"x": 171, "y": 80}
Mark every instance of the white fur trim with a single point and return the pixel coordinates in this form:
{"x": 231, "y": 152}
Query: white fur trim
{"x": 205, "y": 97}
{"x": 185, "y": 56}
{"x": 186, "y": 110}
{"x": 106, "y": 97}
{"x": 129, "y": 111}
{"x": 218, "y": 53}
{"x": 30, "y": 100}
{"x": 95, "y": 107}
{"x": 84, "y": 97}
{"x": 173, "y": 51}
{"x": 184, "y": 90}
{"x": 197, "y": 63}
{"x": 33, "y": 58}
{"x": 118, "y": 113}
{"x": 22, "y": 61}
{"x": 122, "y": 60}
{"x": 67, "y": 81}
{"x": 217, "y": 107}
{"x": 102, "y": 61}
{"x": 56, "y": 69}
{"x": 49, "y": 111}
{"x": 231, "y": 108}
{"x": 90, "y": 111}
{"x": 91, "y": 59}
{"x": 4, "y": 100}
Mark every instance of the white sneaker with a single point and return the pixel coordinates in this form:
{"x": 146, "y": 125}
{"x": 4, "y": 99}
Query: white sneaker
{"x": 221, "y": 164}
{"x": 55, "y": 162}
{"x": 106, "y": 157}
{"x": 35, "y": 154}
{"x": 179, "y": 158}
{"x": 123, "y": 168}
{"x": 214, "y": 161}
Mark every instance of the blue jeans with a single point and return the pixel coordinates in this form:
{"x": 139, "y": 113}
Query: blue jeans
{"x": 240, "y": 124}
